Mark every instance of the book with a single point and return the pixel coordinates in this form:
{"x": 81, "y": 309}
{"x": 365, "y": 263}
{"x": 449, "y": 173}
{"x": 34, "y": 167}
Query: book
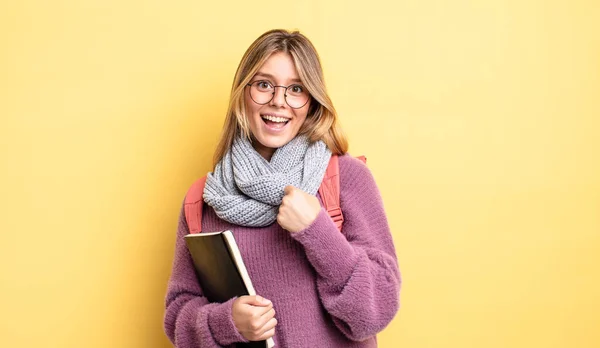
{"x": 221, "y": 271}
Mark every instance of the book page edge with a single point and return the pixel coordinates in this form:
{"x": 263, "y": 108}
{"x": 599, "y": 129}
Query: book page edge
{"x": 239, "y": 262}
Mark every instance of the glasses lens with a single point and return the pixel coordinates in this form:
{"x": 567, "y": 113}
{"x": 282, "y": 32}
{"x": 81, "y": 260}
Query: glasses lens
{"x": 297, "y": 96}
{"x": 261, "y": 92}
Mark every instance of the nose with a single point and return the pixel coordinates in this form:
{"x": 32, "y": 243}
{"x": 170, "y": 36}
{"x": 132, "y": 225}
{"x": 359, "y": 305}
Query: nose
{"x": 278, "y": 96}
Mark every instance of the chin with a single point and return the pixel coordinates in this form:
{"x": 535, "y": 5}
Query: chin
{"x": 274, "y": 142}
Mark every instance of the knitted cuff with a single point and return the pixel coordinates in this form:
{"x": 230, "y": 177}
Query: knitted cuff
{"x": 221, "y": 325}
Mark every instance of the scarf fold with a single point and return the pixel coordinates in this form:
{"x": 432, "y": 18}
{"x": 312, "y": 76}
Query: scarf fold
{"x": 245, "y": 189}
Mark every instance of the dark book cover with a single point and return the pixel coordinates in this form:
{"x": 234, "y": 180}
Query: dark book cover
{"x": 221, "y": 271}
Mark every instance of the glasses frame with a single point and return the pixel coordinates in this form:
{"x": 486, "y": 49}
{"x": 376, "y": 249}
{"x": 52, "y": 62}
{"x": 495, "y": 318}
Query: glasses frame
{"x": 273, "y": 94}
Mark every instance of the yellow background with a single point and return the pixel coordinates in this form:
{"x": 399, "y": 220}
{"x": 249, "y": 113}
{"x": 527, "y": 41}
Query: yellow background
{"x": 480, "y": 120}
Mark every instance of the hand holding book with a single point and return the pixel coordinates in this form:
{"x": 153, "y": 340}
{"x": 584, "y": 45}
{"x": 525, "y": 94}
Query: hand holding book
{"x": 223, "y": 275}
{"x": 254, "y": 317}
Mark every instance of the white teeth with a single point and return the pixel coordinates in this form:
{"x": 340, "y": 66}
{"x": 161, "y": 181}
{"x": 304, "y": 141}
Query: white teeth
{"x": 274, "y": 118}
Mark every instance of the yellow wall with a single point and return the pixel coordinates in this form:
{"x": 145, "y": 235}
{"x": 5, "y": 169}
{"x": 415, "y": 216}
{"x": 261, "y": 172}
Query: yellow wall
{"x": 480, "y": 120}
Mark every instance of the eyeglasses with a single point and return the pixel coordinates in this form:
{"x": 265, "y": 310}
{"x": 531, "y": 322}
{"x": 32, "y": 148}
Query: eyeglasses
{"x": 262, "y": 92}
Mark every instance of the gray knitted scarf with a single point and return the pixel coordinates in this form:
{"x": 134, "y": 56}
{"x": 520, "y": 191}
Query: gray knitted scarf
{"x": 245, "y": 189}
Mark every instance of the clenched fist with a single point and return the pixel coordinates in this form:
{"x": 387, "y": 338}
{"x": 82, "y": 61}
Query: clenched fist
{"x": 298, "y": 209}
{"x": 254, "y": 317}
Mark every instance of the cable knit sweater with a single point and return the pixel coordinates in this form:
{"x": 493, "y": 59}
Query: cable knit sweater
{"x": 329, "y": 289}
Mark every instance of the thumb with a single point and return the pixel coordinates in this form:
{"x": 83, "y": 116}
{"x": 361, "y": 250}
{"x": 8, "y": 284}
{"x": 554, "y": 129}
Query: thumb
{"x": 288, "y": 189}
{"x": 256, "y": 300}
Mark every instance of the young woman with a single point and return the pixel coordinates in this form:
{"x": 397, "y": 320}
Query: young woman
{"x": 316, "y": 286}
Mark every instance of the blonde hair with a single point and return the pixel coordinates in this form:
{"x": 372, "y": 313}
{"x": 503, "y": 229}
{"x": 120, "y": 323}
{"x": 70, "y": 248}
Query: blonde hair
{"x": 321, "y": 121}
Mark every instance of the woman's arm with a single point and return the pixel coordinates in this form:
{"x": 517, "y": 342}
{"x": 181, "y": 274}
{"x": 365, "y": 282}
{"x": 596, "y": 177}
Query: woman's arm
{"x": 190, "y": 320}
{"x": 358, "y": 276}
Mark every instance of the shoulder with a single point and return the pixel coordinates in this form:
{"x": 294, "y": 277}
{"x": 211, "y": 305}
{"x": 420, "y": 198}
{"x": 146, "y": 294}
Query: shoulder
{"x": 350, "y": 164}
{"x": 358, "y": 189}
{"x": 353, "y": 171}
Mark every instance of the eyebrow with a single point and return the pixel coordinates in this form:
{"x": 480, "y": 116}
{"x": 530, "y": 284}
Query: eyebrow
{"x": 273, "y": 77}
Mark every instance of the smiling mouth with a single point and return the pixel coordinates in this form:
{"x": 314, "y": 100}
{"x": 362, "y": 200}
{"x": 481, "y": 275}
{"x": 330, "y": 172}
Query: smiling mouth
{"x": 275, "y": 121}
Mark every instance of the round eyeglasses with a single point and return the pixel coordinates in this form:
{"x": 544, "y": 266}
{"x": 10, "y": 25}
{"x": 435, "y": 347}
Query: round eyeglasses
{"x": 262, "y": 92}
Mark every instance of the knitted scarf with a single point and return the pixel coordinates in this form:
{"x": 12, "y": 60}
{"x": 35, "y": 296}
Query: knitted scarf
{"x": 245, "y": 189}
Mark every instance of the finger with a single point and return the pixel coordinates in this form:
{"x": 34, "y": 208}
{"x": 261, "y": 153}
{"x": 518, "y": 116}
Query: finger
{"x": 282, "y": 221}
{"x": 266, "y": 335}
{"x": 269, "y": 326}
{"x": 264, "y": 312}
{"x": 286, "y": 201}
{"x": 259, "y": 323}
{"x": 288, "y": 189}
{"x": 267, "y": 315}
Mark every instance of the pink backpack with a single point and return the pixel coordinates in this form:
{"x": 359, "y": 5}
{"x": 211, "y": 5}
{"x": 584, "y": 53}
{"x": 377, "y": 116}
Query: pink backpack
{"x": 329, "y": 192}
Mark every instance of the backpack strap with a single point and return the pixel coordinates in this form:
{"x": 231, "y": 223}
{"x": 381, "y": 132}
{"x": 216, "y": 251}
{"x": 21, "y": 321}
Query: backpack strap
{"x": 329, "y": 192}
{"x": 193, "y": 205}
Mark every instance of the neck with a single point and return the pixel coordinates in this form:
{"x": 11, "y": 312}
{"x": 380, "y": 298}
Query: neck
{"x": 265, "y": 152}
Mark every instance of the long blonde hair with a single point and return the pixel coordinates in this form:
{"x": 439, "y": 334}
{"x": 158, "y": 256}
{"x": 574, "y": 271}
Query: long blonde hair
{"x": 321, "y": 121}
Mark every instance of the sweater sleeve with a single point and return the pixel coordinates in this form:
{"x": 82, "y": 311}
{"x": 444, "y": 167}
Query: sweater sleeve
{"x": 358, "y": 276}
{"x": 190, "y": 321}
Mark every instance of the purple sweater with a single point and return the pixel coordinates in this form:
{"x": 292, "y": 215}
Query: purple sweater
{"x": 329, "y": 289}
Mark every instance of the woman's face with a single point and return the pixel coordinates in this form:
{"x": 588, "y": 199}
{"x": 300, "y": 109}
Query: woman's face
{"x": 275, "y": 123}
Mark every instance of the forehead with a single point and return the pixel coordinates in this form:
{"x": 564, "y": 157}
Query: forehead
{"x": 279, "y": 67}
